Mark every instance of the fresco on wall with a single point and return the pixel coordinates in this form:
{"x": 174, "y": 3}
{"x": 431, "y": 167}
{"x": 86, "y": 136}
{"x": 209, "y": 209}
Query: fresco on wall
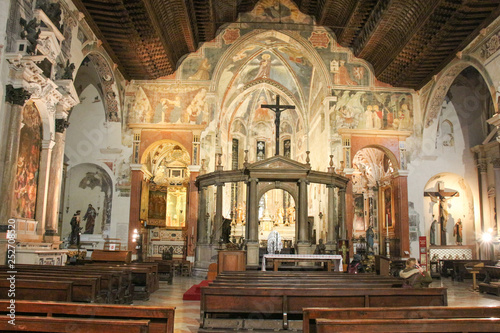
{"x": 175, "y": 105}
{"x": 28, "y": 163}
{"x": 346, "y": 73}
{"x": 373, "y": 110}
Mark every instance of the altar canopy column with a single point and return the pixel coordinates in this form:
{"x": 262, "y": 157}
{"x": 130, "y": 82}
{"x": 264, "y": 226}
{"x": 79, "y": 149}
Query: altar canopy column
{"x": 332, "y": 216}
{"x": 342, "y": 228}
{"x": 202, "y": 218}
{"x": 43, "y": 185}
{"x": 56, "y": 167}
{"x": 218, "y": 212}
{"x": 15, "y": 99}
{"x": 303, "y": 212}
{"x": 252, "y": 224}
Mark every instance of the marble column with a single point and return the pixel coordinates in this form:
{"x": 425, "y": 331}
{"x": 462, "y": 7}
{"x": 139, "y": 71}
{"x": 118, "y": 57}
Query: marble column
{"x": 56, "y": 167}
{"x": 43, "y": 185}
{"x": 218, "y": 212}
{"x": 15, "y": 99}
{"x": 332, "y": 216}
{"x": 252, "y": 224}
{"x": 342, "y": 227}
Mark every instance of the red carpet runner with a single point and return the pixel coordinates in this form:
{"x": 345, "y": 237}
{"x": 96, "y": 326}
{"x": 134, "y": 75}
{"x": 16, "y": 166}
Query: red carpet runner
{"x": 194, "y": 293}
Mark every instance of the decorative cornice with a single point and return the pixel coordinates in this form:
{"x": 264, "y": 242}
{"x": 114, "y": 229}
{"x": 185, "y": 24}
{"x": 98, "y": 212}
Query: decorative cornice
{"x": 16, "y": 96}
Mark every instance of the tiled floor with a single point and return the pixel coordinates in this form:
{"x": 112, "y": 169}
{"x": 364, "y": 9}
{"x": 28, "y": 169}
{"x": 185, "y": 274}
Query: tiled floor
{"x": 187, "y": 313}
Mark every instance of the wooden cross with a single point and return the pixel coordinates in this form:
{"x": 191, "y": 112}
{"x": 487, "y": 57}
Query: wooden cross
{"x": 278, "y": 109}
{"x": 442, "y": 196}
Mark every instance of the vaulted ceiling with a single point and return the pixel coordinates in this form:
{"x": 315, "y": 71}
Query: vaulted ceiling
{"x": 406, "y": 41}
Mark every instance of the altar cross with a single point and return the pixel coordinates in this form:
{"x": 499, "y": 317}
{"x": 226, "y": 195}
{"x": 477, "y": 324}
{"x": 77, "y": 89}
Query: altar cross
{"x": 277, "y": 108}
{"x": 442, "y": 195}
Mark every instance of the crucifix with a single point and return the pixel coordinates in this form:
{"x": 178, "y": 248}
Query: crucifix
{"x": 278, "y": 109}
{"x": 442, "y": 195}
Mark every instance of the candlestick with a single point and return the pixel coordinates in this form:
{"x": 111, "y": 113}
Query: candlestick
{"x": 387, "y": 224}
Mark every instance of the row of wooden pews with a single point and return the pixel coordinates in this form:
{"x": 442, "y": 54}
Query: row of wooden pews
{"x": 38, "y": 316}
{"x": 403, "y": 319}
{"x": 113, "y": 283}
{"x": 274, "y": 300}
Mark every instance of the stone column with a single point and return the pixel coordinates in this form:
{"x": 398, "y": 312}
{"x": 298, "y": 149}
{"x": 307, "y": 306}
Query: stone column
{"x": 496, "y": 168}
{"x": 303, "y": 242}
{"x": 218, "y": 212}
{"x": 483, "y": 169}
{"x": 252, "y": 224}
{"x": 342, "y": 227}
{"x": 43, "y": 185}
{"x": 15, "y": 99}
{"x": 202, "y": 216}
{"x": 56, "y": 167}
{"x": 332, "y": 217}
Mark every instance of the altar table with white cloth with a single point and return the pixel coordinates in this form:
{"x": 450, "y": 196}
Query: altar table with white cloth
{"x": 328, "y": 258}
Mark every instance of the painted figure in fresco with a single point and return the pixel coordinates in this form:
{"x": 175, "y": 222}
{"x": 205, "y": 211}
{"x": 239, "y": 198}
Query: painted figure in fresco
{"x": 74, "y": 237}
{"x": 262, "y": 114}
{"x": 168, "y": 108}
{"x": 203, "y": 71}
{"x": 90, "y": 216}
{"x": 264, "y": 67}
{"x": 370, "y": 235}
{"x": 377, "y": 117}
{"x": 343, "y": 75}
{"x": 457, "y": 232}
{"x": 369, "y": 117}
{"x": 197, "y": 109}
{"x": 404, "y": 118}
{"x": 433, "y": 232}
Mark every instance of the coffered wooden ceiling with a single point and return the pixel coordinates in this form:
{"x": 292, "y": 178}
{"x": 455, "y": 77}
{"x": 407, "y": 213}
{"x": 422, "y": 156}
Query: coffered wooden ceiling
{"x": 406, "y": 41}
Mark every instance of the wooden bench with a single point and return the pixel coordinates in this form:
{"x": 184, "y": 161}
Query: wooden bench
{"x": 276, "y": 304}
{"x": 113, "y": 285}
{"x": 37, "y": 290}
{"x": 74, "y": 325}
{"x": 161, "y": 319}
{"x": 85, "y": 288}
{"x": 409, "y": 325}
{"x": 433, "y": 312}
{"x": 489, "y": 286}
{"x": 111, "y": 256}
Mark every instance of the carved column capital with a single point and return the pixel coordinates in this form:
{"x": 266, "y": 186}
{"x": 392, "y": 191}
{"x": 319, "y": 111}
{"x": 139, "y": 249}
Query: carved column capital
{"x": 482, "y": 165}
{"x": 16, "y": 96}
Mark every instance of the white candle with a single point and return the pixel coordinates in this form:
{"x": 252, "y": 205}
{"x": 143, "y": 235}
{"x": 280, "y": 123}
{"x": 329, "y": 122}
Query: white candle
{"x": 192, "y": 231}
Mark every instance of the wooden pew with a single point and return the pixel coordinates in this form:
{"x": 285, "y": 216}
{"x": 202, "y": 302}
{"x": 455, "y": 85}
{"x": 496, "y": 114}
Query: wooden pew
{"x": 431, "y": 312}
{"x": 74, "y": 325}
{"x": 271, "y": 303}
{"x": 84, "y": 289}
{"x": 116, "y": 282}
{"x": 161, "y": 319}
{"x": 38, "y": 290}
{"x": 111, "y": 280}
{"x": 111, "y": 256}
{"x": 409, "y": 325}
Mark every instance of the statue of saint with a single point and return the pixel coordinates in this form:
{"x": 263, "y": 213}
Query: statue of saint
{"x": 433, "y": 232}
{"x": 320, "y": 248}
{"x": 457, "y": 232}
{"x": 370, "y": 235}
{"x": 74, "y": 238}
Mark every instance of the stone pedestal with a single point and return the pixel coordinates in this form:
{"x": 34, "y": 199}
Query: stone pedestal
{"x": 253, "y": 255}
